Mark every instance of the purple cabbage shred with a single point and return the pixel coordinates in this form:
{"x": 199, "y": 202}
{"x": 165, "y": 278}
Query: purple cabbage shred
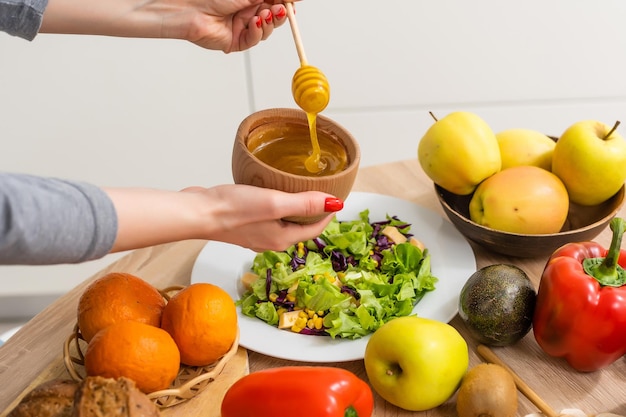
{"x": 268, "y": 282}
{"x": 314, "y": 332}
{"x": 351, "y": 291}
{"x": 281, "y": 301}
{"x": 297, "y": 261}
{"x": 319, "y": 243}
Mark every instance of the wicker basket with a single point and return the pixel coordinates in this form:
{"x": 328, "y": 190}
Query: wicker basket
{"x": 191, "y": 380}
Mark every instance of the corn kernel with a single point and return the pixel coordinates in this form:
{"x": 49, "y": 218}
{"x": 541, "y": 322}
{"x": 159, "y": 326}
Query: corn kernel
{"x": 301, "y": 323}
{"x": 296, "y": 329}
{"x": 291, "y": 297}
{"x": 320, "y": 313}
{"x": 310, "y": 324}
{"x": 318, "y": 322}
{"x": 273, "y": 297}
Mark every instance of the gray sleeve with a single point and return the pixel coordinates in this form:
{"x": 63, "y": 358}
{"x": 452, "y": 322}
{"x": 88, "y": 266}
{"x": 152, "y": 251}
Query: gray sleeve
{"x": 47, "y": 221}
{"x": 22, "y": 17}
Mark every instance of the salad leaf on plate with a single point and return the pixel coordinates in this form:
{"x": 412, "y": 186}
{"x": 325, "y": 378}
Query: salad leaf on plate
{"x": 346, "y": 283}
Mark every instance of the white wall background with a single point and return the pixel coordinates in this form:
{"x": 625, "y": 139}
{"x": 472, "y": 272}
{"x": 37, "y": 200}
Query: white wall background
{"x": 163, "y": 113}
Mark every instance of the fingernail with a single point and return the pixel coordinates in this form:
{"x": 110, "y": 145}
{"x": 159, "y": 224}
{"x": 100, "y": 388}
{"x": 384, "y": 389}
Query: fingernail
{"x": 269, "y": 18}
{"x": 281, "y": 13}
{"x": 332, "y": 204}
{"x": 259, "y": 22}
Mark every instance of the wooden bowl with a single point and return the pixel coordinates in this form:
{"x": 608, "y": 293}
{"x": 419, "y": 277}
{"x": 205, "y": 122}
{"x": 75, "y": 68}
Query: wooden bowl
{"x": 248, "y": 169}
{"x": 583, "y": 224}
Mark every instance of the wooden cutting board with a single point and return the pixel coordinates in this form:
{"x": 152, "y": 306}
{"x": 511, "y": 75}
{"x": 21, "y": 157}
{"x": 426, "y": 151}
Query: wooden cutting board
{"x": 206, "y": 403}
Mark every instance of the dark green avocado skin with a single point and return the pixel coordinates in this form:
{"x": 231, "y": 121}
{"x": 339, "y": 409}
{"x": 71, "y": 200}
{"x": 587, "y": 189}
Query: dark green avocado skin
{"x": 497, "y": 304}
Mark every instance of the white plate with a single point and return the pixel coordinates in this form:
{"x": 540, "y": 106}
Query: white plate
{"x": 452, "y": 261}
{"x": 6, "y": 335}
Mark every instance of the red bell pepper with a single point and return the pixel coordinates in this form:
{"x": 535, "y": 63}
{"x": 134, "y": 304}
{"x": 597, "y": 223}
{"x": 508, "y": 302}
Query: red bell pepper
{"x": 303, "y": 391}
{"x": 580, "y": 313}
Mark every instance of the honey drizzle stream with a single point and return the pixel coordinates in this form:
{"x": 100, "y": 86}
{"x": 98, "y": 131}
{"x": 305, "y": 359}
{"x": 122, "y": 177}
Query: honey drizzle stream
{"x": 313, "y": 163}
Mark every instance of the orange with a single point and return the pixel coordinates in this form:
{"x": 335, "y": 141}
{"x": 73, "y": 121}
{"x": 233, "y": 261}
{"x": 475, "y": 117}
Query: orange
{"x": 118, "y": 297}
{"x": 202, "y": 319}
{"x": 146, "y": 354}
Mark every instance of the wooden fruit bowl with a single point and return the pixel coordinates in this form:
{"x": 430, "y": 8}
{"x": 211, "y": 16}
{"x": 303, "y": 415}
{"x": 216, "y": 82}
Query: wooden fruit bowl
{"x": 583, "y": 224}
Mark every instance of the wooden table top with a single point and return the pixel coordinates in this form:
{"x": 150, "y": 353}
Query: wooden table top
{"x": 35, "y": 349}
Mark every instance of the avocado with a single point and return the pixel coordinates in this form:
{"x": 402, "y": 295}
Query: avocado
{"x": 497, "y": 303}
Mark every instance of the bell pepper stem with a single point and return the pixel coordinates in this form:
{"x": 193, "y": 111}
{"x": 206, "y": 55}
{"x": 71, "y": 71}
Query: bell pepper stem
{"x": 607, "y": 270}
{"x": 351, "y": 412}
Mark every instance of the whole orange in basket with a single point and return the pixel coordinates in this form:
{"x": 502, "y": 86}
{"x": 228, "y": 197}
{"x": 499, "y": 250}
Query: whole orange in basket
{"x": 117, "y": 297}
{"x": 144, "y": 353}
{"x": 202, "y": 319}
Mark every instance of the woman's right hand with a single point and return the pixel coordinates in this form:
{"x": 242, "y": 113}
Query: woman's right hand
{"x": 224, "y": 25}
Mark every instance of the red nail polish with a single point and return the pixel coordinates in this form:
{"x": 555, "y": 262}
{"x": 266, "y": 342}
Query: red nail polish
{"x": 281, "y": 13}
{"x": 332, "y": 204}
{"x": 269, "y": 18}
{"x": 259, "y": 22}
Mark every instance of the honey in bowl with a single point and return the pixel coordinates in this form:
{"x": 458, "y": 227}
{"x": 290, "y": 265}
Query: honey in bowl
{"x": 287, "y": 148}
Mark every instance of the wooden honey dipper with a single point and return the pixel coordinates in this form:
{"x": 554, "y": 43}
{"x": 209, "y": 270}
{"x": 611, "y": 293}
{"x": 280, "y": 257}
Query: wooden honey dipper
{"x": 532, "y": 396}
{"x": 310, "y": 90}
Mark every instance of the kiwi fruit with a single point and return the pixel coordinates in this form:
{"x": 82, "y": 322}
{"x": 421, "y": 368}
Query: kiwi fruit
{"x": 497, "y": 304}
{"x": 487, "y": 390}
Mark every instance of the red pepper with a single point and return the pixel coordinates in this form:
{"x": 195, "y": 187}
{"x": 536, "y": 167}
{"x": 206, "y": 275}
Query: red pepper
{"x": 303, "y": 391}
{"x": 580, "y": 313}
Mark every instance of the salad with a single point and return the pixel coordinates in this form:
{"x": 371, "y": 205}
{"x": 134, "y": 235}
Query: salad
{"x": 346, "y": 283}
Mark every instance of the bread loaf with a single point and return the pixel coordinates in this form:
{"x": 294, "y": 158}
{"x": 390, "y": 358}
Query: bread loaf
{"x": 93, "y": 397}
{"x": 51, "y": 399}
{"x": 107, "y": 397}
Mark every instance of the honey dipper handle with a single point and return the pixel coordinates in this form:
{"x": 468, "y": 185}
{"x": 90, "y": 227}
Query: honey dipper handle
{"x": 295, "y": 32}
{"x": 490, "y": 356}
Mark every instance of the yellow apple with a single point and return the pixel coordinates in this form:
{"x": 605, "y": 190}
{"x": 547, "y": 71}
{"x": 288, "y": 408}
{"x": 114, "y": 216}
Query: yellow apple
{"x": 524, "y": 199}
{"x": 458, "y": 152}
{"x": 416, "y": 363}
{"x": 525, "y": 147}
{"x": 590, "y": 159}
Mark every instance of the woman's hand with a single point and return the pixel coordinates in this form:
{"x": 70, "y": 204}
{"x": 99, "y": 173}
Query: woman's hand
{"x": 226, "y": 25}
{"x": 251, "y": 216}
{"x": 239, "y": 214}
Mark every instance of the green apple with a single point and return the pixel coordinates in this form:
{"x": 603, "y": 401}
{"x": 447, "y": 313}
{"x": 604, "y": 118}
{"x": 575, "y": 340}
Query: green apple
{"x": 525, "y": 147}
{"x": 590, "y": 159}
{"x": 458, "y": 152}
{"x": 523, "y": 199}
{"x": 416, "y": 363}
